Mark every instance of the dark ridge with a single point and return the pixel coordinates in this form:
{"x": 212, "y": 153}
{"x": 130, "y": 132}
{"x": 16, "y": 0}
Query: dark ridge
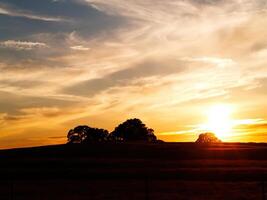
{"x": 182, "y": 161}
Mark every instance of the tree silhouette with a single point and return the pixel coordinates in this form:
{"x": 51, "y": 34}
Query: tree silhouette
{"x": 208, "y": 137}
{"x": 86, "y": 134}
{"x": 134, "y": 130}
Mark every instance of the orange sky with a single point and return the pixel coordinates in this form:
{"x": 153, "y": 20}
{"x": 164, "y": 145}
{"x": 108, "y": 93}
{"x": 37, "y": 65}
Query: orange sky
{"x": 98, "y": 62}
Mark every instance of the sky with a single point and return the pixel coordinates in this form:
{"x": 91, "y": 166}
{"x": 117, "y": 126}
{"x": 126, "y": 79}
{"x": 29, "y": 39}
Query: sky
{"x": 65, "y": 63}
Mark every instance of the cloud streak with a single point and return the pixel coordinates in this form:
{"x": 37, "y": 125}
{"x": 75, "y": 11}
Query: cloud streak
{"x": 22, "y": 45}
{"x": 24, "y": 14}
{"x": 80, "y": 48}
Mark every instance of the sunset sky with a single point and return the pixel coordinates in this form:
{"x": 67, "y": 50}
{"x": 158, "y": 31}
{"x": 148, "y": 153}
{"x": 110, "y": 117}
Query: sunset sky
{"x": 99, "y": 62}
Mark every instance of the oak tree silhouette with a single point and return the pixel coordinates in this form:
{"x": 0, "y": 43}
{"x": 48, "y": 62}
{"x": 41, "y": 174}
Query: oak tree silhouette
{"x": 134, "y": 130}
{"x": 208, "y": 137}
{"x": 86, "y": 134}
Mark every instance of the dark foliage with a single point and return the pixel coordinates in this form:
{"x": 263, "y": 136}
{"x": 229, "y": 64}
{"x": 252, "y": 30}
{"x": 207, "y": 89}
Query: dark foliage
{"x": 86, "y": 134}
{"x": 130, "y": 130}
{"x": 134, "y": 130}
{"x": 208, "y": 137}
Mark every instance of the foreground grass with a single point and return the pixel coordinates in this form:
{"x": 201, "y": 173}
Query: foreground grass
{"x": 134, "y": 171}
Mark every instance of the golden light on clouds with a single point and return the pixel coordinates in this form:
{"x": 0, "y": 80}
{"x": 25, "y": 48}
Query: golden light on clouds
{"x": 101, "y": 62}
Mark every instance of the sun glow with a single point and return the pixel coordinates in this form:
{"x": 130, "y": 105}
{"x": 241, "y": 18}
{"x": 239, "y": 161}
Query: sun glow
{"x": 219, "y": 120}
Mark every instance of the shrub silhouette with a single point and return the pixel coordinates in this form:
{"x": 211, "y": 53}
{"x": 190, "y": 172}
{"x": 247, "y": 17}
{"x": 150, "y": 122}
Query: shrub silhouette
{"x": 133, "y": 130}
{"x": 86, "y": 134}
{"x": 206, "y": 138}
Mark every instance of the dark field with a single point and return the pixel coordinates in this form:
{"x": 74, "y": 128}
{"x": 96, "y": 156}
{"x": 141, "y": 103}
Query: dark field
{"x": 135, "y": 171}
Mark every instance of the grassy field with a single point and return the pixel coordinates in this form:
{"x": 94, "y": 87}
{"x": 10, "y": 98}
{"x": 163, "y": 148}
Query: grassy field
{"x": 135, "y": 171}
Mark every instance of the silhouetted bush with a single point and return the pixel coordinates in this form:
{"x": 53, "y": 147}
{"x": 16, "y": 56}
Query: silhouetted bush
{"x": 86, "y": 134}
{"x": 134, "y": 130}
{"x": 206, "y": 138}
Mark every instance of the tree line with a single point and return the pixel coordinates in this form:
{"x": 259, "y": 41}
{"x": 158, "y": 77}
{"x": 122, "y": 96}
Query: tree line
{"x": 130, "y": 130}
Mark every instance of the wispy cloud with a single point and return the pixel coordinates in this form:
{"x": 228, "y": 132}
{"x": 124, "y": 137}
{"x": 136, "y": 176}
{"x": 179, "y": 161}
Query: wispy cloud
{"x": 80, "y": 48}
{"x": 25, "y": 14}
{"x": 220, "y": 62}
{"x": 22, "y": 45}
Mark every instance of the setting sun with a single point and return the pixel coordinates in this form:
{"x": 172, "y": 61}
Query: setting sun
{"x": 219, "y": 120}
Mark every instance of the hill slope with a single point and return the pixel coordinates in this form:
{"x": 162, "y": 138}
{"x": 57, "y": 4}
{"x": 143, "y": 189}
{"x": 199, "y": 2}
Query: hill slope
{"x": 113, "y": 171}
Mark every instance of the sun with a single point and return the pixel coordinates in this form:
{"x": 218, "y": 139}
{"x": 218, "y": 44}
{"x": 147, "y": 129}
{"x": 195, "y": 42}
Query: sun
{"x": 219, "y": 120}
